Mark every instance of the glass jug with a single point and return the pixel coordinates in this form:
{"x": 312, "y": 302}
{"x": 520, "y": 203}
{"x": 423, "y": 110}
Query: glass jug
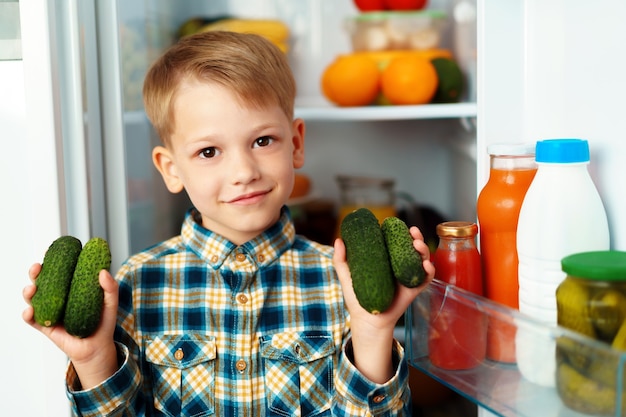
{"x": 376, "y": 194}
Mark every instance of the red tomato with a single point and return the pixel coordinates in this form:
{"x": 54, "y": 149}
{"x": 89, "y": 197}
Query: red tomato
{"x": 370, "y": 5}
{"x": 405, "y": 4}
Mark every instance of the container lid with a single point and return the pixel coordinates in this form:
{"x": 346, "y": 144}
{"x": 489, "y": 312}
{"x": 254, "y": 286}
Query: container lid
{"x": 598, "y": 265}
{"x": 511, "y": 149}
{"x": 363, "y": 181}
{"x": 562, "y": 151}
{"x": 457, "y": 229}
{"x": 381, "y": 15}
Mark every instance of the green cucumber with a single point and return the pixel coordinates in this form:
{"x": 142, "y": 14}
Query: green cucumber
{"x": 368, "y": 260}
{"x": 54, "y": 279}
{"x": 86, "y": 297}
{"x": 406, "y": 262}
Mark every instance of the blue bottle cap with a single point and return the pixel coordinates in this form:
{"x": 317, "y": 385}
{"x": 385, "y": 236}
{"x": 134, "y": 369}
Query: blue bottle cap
{"x": 562, "y": 151}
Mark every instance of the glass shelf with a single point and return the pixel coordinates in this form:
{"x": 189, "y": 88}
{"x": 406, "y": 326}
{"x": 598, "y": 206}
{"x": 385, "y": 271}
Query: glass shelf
{"x": 581, "y": 370}
{"x": 319, "y": 109}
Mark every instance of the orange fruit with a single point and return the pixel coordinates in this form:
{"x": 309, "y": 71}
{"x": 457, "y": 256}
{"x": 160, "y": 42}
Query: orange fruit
{"x": 409, "y": 80}
{"x": 301, "y": 186}
{"x": 351, "y": 80}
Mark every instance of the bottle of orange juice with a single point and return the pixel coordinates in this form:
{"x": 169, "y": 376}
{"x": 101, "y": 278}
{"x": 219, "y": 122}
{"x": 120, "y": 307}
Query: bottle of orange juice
{"x": 512, "y": 169}
{"x": 376, "y": 194}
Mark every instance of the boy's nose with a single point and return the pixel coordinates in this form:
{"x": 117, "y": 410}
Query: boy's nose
{"x": 244, "y": 168}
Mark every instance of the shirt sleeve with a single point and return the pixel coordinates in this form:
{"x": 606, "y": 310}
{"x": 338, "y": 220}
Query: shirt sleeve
{"x": 356, "y": 395}
{"x": 112, "y": 396}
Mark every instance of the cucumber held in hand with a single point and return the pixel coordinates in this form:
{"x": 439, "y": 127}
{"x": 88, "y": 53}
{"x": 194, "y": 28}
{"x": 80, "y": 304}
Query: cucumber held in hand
{"x": 406, "y": 262}
{"x": 86, "y": 296}
{"x": 53, "y": 281}
{"x": 368, "y": 260}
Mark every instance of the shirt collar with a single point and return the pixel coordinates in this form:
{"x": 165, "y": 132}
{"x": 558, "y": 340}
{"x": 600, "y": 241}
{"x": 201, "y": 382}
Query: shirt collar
{"x": 214, "y": 249}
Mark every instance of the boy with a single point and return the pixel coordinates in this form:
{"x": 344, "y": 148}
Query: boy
{"x": 237, "y": 315}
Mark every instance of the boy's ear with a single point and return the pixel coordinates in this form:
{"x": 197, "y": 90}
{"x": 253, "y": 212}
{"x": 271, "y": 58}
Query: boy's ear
{"x": 298, "y": 143}
{"x": 164, "y": 163}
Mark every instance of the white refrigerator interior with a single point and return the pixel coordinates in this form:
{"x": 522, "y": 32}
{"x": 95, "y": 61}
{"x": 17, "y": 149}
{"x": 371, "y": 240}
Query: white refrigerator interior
{"x": 544, "y": 70}
{"x": 428, "y": 150}
{"x": 32, "y": 216}
{"x": 547, "y": 70}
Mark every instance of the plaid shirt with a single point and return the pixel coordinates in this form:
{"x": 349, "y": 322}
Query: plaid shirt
{"x": 206, "y": 327}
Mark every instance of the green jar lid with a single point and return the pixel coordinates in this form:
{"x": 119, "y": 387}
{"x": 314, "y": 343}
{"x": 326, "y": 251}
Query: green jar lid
{"x": 599, "y": 265}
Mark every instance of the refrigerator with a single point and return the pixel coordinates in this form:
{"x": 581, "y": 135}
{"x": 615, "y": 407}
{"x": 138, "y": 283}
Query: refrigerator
{"x": 535, "y": 69}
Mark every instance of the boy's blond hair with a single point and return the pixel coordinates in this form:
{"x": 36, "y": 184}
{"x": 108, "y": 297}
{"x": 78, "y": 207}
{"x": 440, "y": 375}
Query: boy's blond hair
{"x": 250, "y": 66}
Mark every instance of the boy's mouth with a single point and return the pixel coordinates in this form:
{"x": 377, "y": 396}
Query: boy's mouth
{"x": 249, "y": 198}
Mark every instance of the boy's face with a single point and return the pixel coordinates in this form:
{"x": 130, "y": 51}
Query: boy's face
{"x": 235, "y": 162}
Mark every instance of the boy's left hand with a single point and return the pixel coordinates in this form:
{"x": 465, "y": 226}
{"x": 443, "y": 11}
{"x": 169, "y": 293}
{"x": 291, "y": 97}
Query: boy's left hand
{"x": 372, "y": 334}
{"x": 404, "y": 295}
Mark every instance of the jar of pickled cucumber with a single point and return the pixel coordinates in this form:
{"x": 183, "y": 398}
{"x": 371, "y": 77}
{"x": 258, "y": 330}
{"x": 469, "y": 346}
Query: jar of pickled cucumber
{"x": 591, "y": 300}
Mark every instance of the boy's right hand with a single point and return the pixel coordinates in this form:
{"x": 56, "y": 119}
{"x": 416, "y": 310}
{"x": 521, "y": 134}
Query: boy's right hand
{"x": 94, "y": 358}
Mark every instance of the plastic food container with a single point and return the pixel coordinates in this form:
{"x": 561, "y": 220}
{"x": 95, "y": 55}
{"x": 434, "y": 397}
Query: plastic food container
{"x": 591, "y": 301}
{"x": 380, "y": 31}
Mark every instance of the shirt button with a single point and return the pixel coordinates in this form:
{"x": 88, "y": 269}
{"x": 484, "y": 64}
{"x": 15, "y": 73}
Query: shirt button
{"x": 240, "y": 257}
{"x": 242, "y": 298}
{"x": 214, "y": 258}
{"x": 379, "y": 399}
{"x": 260, "y": 258}
{"x": 241, "y": 365}
{"x": 179, "y": 354}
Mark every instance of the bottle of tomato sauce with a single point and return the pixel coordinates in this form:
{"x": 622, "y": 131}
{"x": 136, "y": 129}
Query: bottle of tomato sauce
{"x": 458, "y": 328}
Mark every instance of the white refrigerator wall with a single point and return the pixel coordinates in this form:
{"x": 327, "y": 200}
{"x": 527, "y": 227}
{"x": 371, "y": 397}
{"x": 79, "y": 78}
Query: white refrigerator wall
{"x": 33, "y": 370}
{"x": 554, "y": 69}
{"x": 32, "y": 216}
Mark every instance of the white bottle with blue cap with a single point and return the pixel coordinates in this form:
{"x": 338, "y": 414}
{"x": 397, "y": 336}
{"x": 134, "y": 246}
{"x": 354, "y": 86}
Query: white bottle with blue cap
{"x": 562, "y": 214}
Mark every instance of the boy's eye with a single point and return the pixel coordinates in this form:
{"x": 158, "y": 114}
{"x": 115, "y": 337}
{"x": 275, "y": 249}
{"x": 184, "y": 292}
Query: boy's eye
{"x": 263, "y": 141}
{"x": 208, "y": 152}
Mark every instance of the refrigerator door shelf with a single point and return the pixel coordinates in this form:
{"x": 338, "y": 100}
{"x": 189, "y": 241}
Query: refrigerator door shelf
{"x": 320, "y": 110}
{"x": 501, "y": 388}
